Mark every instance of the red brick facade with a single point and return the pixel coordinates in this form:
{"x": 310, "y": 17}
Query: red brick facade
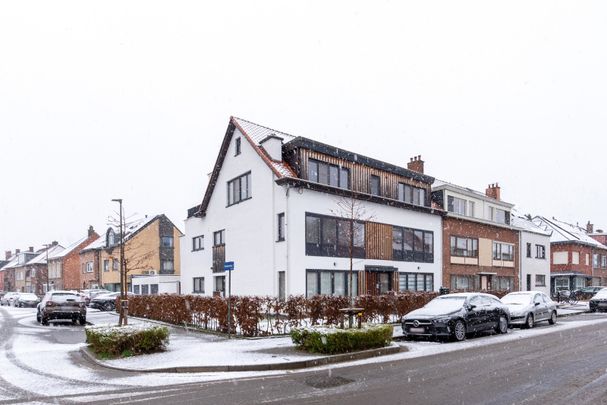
{"x": 486, "y": 273}
{"x": 72, "y": 267}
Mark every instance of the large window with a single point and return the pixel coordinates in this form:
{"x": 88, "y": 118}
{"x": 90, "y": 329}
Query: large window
{"x": 464, "y": 247}
{"x": 411, "y": 194}
{"x": 331, "y": 175}
{"x": 503, "y": 283}
{"x": 540, "y": 251}
{"x": 330, "y": 282}
{"x": 197, "y": 243}
{"x": 239, "y": 189}
{"x": 415, "y": 282}
{"x": 503, "y": 251}
{"x": 330, "y": 236}
{"x": 412, "y": 245}
{"x": 465, "y": 283}
{"x": 540, "y": 280}
{"x": 198, "y": 285}
{"x": 456, "y": 205}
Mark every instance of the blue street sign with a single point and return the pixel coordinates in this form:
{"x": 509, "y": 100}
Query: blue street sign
{"x": 228, "y": 266}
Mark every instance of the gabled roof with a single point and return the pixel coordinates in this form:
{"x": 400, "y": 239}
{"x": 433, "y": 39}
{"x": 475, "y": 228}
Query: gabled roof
{"x": 11, "y": 263}
{"x": 41, "y": 258}
{"x": 14, "y": 263}
{"x": 67, "y": 250}
{"x": 563, "y": 232}
{"x": 527, "y": 225}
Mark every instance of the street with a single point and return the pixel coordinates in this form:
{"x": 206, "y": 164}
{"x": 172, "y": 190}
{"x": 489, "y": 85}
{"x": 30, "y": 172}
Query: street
{"x": 563, "y": 364}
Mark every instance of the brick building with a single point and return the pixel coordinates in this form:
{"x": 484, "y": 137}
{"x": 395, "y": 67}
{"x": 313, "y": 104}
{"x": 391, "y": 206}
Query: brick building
{"x": 64, "y": 267}
{"x": 480, "y": 246}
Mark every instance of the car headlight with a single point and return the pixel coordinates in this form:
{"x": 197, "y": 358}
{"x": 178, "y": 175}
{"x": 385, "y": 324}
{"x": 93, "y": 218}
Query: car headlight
{"x": 441, "y": 320}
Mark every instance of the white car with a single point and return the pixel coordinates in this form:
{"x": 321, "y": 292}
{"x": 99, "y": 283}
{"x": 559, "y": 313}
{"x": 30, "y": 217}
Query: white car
{"x": 529, "y": 307}
{"x": 9, "y": 298}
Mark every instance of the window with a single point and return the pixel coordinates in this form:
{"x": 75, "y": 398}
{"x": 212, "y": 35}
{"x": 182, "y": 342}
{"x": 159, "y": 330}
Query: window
{"x": 219, "y": 285}
{"x": 540, "y": 280}
{"x": 464, "y": 247}
{"x": 575, "y": 257}
{"x": 529, "y": 249}
{"x": 471, "y": 208}
{"x": 219, "y": 238}
{"x": 331, "y": 175}
{"x": 503, "y": 251}
{"x": 329, "y": 282}
{"x": 136, "y": 289}
{"x": 412, "y": 245}
{"x": 411, "y": 194}
{"x": 281, "y": 226}
{"x": 115, "y": 264}
{"x": 89, "y": 267}
{"x": 167, "y": 266}
{"x": 144, "y": 289}
{"x": 106, "y": 265}
{"x": 503, "y": 283}
{"x": 198, "y": 285}
{"x": 596, "y": 260}
{"x": 415, "y": 282}
{"x": 237, "y": 146}
{"x": 603, "y": 261}
{"x": 197, "y": 243}
{"x": 540, "y": 251}
{"x": 239, "y": 189}
{"x": 329, "y": 236}
{"x": 500, "y": 216}
{"x": 281, "y": 286}
{"x": 456, "y": 205}
{"x": 166, "y": 241}
{"x": 374, "y": 185}
{"x": 153, "y": 288}
{"x": 465, "y": 283}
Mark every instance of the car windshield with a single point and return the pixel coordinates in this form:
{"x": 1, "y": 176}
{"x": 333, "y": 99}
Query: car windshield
{"x": 63, "y": 297}
{"x": 517, "y": 299}
{"x": 601, "y": 294}
{"x": 28, "y": 296}
{"x": 446, "y": 304}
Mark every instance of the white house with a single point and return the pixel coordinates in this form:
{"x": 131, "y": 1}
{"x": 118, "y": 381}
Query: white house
{"x": 534, "y": 255}
{"x": 153, "y": 284}
{"x": 275, "y": 206}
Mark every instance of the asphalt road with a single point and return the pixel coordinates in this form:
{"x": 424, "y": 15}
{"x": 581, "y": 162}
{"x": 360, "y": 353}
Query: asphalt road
{"x": 567, "y": 366}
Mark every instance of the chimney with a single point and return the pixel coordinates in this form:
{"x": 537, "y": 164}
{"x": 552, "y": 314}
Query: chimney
{"x": 589, "y": 227}
{"x": 272, "y": 144}
{"x": 7, "y": 254}
{"x": 493, "y": 191}
{"x": 416, "y": 164}
{"x": 91, "y": 231}
{"x": 30, "y": 249}
{"x": 54, "y": 243}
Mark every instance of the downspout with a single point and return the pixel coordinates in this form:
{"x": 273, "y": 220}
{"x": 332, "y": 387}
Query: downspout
{"x": 520, "y": 260}
{"x": 288, "y": 237}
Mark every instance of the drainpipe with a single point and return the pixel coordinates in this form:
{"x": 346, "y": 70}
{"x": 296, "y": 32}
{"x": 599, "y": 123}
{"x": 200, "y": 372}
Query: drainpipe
{"x": 288, "y": 241}
{"x": 520, "y": 260}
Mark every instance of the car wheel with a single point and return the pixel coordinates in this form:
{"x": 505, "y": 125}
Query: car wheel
{"x": 459, "y": 331}
{"x": 82, "y": 320}
{"x": 38, "y": 317}
{"x": 107, "y": 306}
{"x": 529, "y": 322}
{"x": 502, "y": 325}
{"x": 44, "y": 320}
{"x": 552, "y": 319}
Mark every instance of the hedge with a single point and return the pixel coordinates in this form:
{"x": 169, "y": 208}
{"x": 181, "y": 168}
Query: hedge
{"x": 114, "y": 341}
{"x": 262, "y": 316}
{"x": 333, "y": 340}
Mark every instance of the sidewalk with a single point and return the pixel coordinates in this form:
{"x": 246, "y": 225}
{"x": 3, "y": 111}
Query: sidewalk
{"x": 192, "y": 351}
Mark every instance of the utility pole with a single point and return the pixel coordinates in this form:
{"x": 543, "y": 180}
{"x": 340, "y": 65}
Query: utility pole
{"x": 123, "y": 285}
{"x": 47, "y": 246}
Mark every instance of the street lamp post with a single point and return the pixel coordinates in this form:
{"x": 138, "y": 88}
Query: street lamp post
{"x": 123, "y": 284}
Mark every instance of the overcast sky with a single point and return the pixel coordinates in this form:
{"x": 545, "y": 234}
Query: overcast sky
{"x": 102, "y": 100}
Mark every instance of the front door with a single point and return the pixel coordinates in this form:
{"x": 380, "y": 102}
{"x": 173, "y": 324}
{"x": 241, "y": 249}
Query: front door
{"x": 378, "y": 282}
{"x": 528, "y": 282}
{"x": 485, "y": 282}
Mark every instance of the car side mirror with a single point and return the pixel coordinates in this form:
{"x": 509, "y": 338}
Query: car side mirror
{"x": 537, "y": 303}
{"x": 471, "y": 307}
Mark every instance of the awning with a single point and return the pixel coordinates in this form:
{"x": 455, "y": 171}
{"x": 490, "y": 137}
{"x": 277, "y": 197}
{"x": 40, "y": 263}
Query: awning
{"x": 381, "y": 269}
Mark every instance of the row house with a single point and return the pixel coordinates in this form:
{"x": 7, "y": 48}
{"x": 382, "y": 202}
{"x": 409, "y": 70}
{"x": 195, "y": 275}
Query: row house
{"x": 64, "y": 266}
{"x": 577, "y": 258}
{"x": 36, "y": 272}
{"x": 294, "y": 215}
{"x": 14, "y": 271}
{"x": 480, "y": 244}
{"x": 534, "y": 254}
{"x": 151, "y": 246}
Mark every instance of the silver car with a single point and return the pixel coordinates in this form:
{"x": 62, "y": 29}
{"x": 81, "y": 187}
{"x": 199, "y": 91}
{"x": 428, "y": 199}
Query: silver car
{"x": 529, "y": 307}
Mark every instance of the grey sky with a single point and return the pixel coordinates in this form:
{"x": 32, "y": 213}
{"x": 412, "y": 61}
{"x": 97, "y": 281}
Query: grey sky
{"x": 131, "y": 99}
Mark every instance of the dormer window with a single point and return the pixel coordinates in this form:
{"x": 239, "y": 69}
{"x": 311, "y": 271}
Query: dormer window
{"x": 237, "y": 146}
{"x": 331, "y": 175}
{"x": 374, "y": 185}
{"x": 456, "y": 205}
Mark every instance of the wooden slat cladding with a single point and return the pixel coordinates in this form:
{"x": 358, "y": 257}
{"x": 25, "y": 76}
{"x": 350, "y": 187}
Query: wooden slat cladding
{"x": 378, "y": 241}
{"x": 360, "y": 175}
{"x": 219, "y": 258}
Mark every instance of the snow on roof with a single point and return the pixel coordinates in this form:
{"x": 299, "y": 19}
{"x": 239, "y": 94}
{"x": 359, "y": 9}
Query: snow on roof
{"x": 131, "y": 228}
{"x": 519, "y": 221}
{"x": 67, "y": 250}
{"x": 11, "y": 263}
{"x": 41, "y": 258}
{"x": 257, "y": 133}
{"x": 440, "y": 184}
{"x": 565, "y": 232}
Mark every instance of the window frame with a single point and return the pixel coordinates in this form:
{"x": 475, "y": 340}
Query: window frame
{"x": 222, "y": 240}
{"x": 280, "y": 222}
{"x": 200, "y": 281}
{"x": 318, "y": 277}
{"x": 540, "y": 251}
{"x": 540, "y": 283}
{"x": 375, "y": 178}
{"x": 232, "y": 198}
{"x": 319, "y": 247}
{"x": 471, "y": 246}
{"x": 167, "y": 238}
{"x": 197, "y": 246}
{"x": 238, "y": 146}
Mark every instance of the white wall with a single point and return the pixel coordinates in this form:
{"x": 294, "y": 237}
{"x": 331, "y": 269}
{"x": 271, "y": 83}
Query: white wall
{"x": 166, "y": 284}
{"x": 532, "y": 265}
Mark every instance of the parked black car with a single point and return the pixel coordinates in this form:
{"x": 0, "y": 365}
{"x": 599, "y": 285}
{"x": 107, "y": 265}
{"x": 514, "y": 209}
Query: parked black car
{"x": 456, "y": 315}
{"x": 104, "y": 302}
{"x": 599, "y": 301}
{"x": 27, "y": 300}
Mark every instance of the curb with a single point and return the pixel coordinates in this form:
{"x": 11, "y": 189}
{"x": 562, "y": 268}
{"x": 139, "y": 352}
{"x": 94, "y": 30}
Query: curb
{"x": 295, "y": 365}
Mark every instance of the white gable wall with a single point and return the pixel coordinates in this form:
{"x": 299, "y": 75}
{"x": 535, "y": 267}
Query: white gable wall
{"x": 533, "y": 266}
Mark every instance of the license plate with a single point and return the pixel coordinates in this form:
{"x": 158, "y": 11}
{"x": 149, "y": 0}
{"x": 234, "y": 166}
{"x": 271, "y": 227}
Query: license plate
{"x": 417, "y": 330}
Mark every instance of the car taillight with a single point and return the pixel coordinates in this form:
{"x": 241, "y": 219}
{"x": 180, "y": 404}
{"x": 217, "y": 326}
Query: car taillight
{"x": 50, "y": 303}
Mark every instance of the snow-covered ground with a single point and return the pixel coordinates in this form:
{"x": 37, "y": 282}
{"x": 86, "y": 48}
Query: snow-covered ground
{"x": 46, "y": 360}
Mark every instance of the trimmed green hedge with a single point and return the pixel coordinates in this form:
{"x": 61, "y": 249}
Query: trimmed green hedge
{"x": 333, "y": 340}
{"x": 115, "y": 341}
